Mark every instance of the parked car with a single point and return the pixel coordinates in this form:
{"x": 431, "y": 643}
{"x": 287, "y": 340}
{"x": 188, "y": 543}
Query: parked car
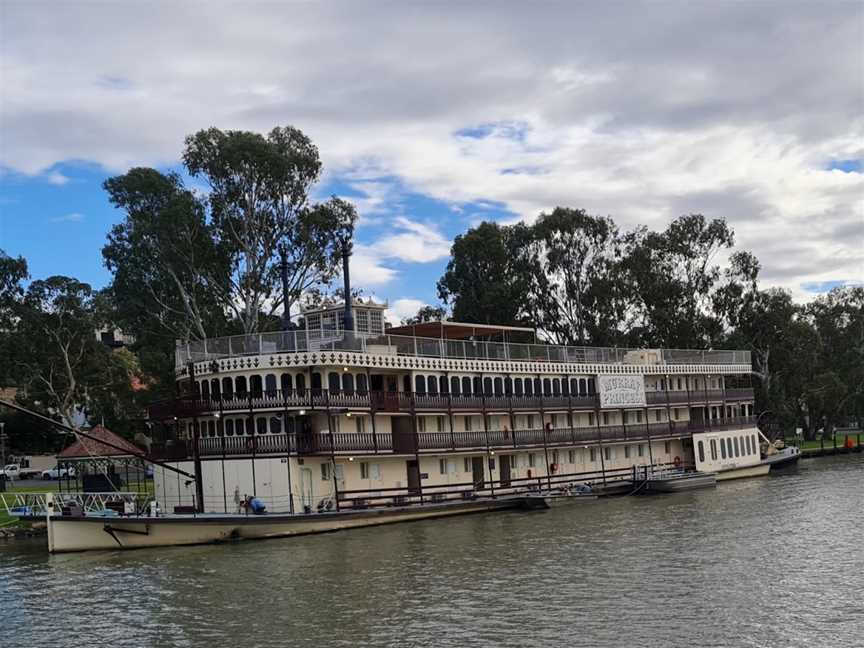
{"x": 15, "y": 471}
{"x": 57, "y": 473}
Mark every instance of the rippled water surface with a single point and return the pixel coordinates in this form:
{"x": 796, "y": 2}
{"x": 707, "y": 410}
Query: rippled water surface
{"x": 777, "y": 561}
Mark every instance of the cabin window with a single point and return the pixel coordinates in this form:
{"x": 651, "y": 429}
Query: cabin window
{"x": 364, "y": 470}
{"x": 605, "y": 418}
{"x": 227, "y": 387}
{"x": 626, "y": 452}
{"x": 755, "y": 445}
{"x": 325, "y": 472}
{"x": 565, "y": 387}
{"x": 360, "y": 424}
{"x": 466, "y": 464}
{"x": 607, "y": 453}
{"x": 285, "y": 382}
{"x": 261, "y": 426}
{"x": 214, "y": 387}
{"x": 701, "y": 452}
{"x": 722, "y": 449}
{"x": 508, "y": 385}
{"x": 592, "y": 386}
{"x": 421, "y": 423}
{"x": 571, "y": 456}
{"x": 713, "y": 449}
{"x": 667, "y": 447}
{"x": 333, "y": 382}
{"x": 316, "y": 382}
{"x": 499, "y": 386}
{"x": 439, "y": 423}
{"x": 433, "y": 384}
{"x": 749, "y": 449}
{"x": 205, "y": 389}
{"x": 420, "y": 384}
{"x": 477, "y": 386}
{"x": 468, "y": 424}
{"x": 638, "y": 416}
{"x": 466, "y": 385}
{"x": 532, "y": 460}
{"x": 348, "y": 382}
{"x": 657, "y": 416}
{"x": 362, "y": 384}
{"x": 591, "y": 418}
{"x": 641, "y": 450}
{"x": 574, "y": 386}
{"x": 517, "y": 387}
{"x": 229, "y": 427}
{"x": 529, "y": 387}
{"x": 512, "y": 461}
{"x": 250, "y": 426}
{"x": 593, "y": 454}
{"x": 211, "y": 428}
{"x": 556, "y": 386}
{"x": 537, "y": 387}
{"x": 547, "y": 387}
{"x": 256, "y": 386}
{"x": 487, "y": 386}
{"x": 455, "y": 386}
{"x": 729, "y": 452}
{"x": 275, "y": 425}
{"x": 442, "y": 466}
{"x": 737, "y": 449}
{"x": 530, "y": 421}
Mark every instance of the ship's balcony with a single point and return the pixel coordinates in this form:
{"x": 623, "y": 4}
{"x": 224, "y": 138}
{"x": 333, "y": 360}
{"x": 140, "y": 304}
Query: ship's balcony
{"x": 326, "y": 444}
{"x": 462, "y": 349}
{"x": 406, "y": 402}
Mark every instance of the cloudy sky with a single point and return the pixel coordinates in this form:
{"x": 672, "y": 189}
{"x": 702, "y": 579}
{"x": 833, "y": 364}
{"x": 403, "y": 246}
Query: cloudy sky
{"x": 434, "y": 116}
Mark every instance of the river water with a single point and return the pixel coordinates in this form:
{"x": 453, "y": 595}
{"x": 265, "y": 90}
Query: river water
{"x": 777, "y": 561}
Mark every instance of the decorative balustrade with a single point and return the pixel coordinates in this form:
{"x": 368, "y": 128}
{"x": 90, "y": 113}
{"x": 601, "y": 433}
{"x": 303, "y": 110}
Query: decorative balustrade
{"x": 403, "y": 345}
{"x": 190, "y": 406}
{"x": 325, "y": 443}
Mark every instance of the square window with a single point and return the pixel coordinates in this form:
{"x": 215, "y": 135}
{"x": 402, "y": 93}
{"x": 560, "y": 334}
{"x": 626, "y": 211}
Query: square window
{"x": 364, "y": 470}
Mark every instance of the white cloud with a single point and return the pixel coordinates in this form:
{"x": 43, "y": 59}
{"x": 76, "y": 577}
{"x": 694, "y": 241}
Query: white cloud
{"x": 68, "y": 218}
{"x": 57, "y": 178}
{"x": 413, "y": 242}
{"x": 403, "y": 308}
{"x": 730, "y": 109}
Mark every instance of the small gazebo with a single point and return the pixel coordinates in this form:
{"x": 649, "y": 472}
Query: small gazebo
{"x": 104, "y": 463}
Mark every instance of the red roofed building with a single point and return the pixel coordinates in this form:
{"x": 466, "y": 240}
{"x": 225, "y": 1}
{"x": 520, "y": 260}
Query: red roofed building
{"x": 85, "y": 448}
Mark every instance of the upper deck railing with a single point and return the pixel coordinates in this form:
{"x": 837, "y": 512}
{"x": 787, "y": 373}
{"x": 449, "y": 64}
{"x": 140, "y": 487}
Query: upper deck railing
{"x": 403, "y": 345}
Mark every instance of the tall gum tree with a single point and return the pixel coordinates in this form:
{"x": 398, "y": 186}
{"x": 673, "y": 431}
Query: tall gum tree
{"x": 258, "y": 201}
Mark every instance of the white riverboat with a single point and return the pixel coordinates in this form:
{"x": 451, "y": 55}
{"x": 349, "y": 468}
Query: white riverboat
{"x": 332, "y": 428}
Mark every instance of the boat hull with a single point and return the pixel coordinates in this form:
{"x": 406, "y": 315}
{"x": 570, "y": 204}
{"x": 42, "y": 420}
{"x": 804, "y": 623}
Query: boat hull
{"x": 678, "y": 484}
{"x": 758, "y": 470}
{"x": 68, "y": 534}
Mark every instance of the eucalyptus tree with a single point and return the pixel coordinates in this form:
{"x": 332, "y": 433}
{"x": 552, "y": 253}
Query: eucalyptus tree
{"x": 671, "y": 280}
{"x": 259, "y": 205}
{"x": 13, "y": 272}
{"x": 62, "y": 367}
{"x": 572, "y": 261}
{"x": 486, "y": 279}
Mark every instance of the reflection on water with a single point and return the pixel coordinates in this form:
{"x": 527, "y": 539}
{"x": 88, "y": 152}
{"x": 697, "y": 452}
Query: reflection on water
{"x": 765, "y": 562}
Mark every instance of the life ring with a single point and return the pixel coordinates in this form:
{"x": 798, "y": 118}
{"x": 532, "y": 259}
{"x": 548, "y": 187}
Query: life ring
{"x": 677, "y": 462}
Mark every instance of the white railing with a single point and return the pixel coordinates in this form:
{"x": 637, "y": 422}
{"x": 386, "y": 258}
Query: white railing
{"x": 35, "y": 504}
{"x": 299, "y": 341}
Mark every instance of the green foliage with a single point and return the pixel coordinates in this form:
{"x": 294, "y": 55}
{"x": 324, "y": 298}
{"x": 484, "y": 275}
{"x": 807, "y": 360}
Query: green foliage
{"x": 427, "y": 314}
{"x": 187, "y": 266}
{"x": 484, "y": 282}
{"x": 62, "y": 368}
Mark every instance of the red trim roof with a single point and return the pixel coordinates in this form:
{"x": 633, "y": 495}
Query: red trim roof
{"x": 85, "y": 448}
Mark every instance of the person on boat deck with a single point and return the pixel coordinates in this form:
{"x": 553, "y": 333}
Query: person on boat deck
{"x": 255, "y": 505}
